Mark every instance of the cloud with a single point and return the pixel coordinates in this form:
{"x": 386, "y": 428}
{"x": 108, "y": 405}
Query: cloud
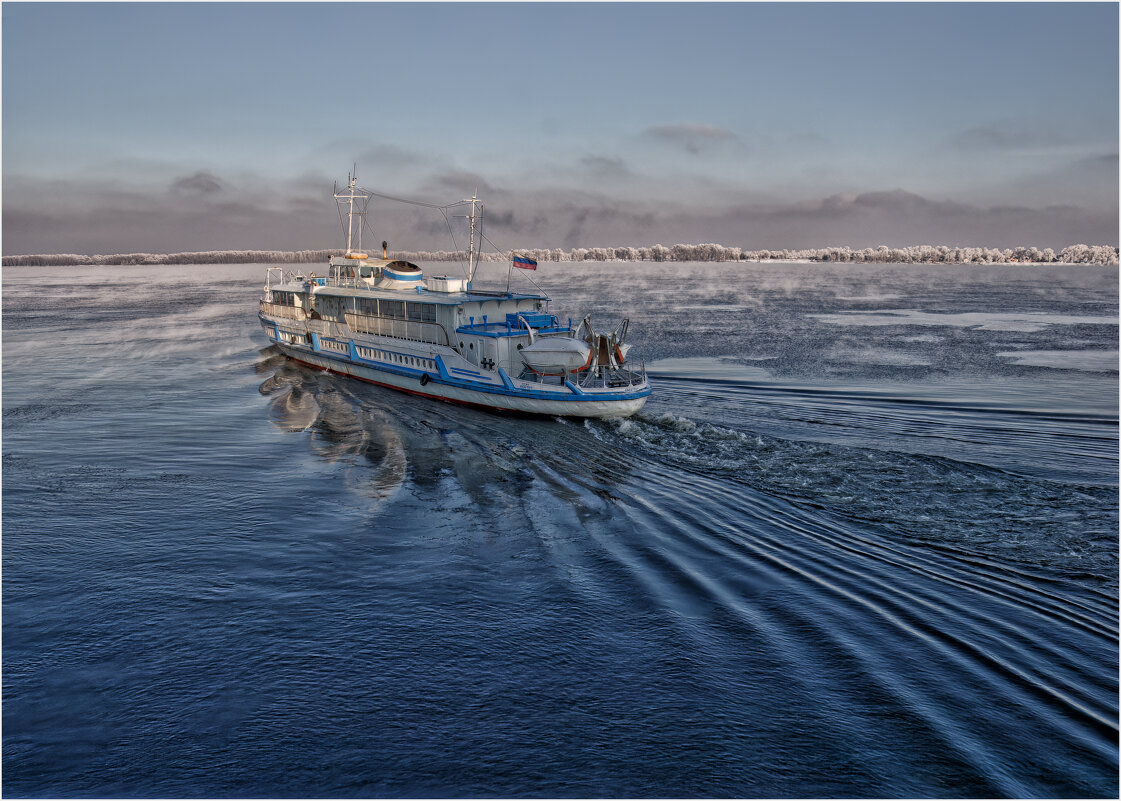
{"x": 1040, "y": 138}
{"x": 95, "y": 216}
{"x": 986, "y": 139}
{"x": 378, "y": 157}
{"x": 807, "y": 140}
{"x": 902, "y": 202}
{"x": 250, "y": 212}
{"x": 890, "y": 217}
{"x": 606, "y": 167}
{"x": 460, "y": 181}
{"x": 568, "y": 219}
{"x": 692, "y": 137}
{"x": 1083, "y": 180}
{"x": 1098, "y": 166}
{"x": 898, "y": 218}
{"x": 201, "y": 183}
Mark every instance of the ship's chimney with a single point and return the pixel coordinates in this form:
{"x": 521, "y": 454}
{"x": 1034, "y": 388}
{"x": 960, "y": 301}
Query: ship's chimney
{"x": 384, "y": 249}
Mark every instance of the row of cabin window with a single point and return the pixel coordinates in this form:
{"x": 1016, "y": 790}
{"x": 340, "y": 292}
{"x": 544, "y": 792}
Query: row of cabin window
{"x": 412, "y": 361}
{"x": 396, "y": 309}
{"x": 283, "y": 298}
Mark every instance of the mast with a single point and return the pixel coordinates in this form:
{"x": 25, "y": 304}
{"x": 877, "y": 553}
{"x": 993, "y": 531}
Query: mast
{"x": 352, "y": 194}
{"x": 471, "y": 259}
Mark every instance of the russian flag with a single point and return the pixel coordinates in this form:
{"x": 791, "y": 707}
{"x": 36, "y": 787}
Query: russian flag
{"x": 524, "y": 263}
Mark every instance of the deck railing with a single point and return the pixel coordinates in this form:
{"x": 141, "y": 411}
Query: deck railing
{"x": 415, "y": 330}
{"x": 599, "y": 378}
{"x": 348, "y": 283}
{"x": 281, "y": 310}
{"x": 602, "y": 377}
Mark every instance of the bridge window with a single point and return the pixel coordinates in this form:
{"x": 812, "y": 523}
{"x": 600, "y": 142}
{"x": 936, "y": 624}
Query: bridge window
{"x": 392, "y": 308}
{"x": 422, "y": 312}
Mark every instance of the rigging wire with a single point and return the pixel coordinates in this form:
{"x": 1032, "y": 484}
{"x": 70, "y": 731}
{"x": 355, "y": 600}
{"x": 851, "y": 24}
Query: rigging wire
{"x": 522, "y": 272}
{"x": 414, "y": 202}
{"x": 443, "y": 209}
{"x": 342, "y": 224}
{"x": 451, "y": 233}
{"x": 367, "y": 227}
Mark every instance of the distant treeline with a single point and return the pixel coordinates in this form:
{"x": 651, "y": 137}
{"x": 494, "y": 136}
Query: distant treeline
{"x": 202, "y": 257}
{"x": 916, "y": 254}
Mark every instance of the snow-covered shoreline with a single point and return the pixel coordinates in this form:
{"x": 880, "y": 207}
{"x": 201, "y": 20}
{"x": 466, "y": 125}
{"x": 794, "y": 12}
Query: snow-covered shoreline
{"x": 915, "y": 254}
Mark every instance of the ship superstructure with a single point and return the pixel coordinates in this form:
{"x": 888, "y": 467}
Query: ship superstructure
{"x": 382, "y": 320}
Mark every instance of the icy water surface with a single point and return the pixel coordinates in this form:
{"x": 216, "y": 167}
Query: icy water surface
{"x": 861, "y": 542}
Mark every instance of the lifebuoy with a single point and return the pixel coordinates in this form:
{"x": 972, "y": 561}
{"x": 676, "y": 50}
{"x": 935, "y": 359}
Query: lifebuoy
{"x": 424, "y": 379}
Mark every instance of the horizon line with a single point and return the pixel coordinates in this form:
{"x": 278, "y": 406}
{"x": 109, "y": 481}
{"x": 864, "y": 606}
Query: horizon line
{"x": 1079, "y": 253}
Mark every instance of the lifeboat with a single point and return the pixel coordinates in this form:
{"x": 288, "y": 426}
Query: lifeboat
{"x": 556, "y": 355}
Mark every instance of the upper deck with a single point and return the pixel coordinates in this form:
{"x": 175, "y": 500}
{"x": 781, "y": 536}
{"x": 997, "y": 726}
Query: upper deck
{"x": 416, "y": 312}
{"x": 359, "y": 287}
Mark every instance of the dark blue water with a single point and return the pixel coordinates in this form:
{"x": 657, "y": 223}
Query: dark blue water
{"x": 861, "y": 542}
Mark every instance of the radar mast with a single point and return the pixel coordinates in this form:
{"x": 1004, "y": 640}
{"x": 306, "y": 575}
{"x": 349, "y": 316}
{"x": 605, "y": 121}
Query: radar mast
{"x": 472, "y": 258}
{"x": 357, "y": 199}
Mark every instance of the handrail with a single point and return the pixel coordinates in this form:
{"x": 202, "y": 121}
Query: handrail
{"x": 282, "y": 310}
{"x": 598, "y": 377}
{"x": 348, "y": 283}
{"x": 604, "y": 376}
{"x": 415, "y": 330}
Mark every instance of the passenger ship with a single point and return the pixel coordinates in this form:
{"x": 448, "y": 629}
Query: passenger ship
{"x": 384, "y": 321}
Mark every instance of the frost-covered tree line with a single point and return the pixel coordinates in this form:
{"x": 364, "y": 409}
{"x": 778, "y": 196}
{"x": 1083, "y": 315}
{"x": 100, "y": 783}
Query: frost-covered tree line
{"x": 915, "y": 254}
{"x": 943, "y": 254}
{"x": 203, "y": 257}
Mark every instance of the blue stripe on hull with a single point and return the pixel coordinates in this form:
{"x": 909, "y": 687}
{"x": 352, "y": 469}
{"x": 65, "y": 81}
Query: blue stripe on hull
{"x": 442, "y": 377}
{"x": 445, "y": 378}
{"x": 418, "y": 393}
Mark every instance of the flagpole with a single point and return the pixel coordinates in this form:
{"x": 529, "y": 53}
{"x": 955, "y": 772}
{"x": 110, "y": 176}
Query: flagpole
{"x": 509, "y": 271}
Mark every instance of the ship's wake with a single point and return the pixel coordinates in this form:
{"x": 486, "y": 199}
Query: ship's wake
{"x": 891, "y": 594}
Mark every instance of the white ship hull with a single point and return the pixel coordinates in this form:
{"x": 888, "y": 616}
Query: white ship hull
{"x": 501, "y": 394}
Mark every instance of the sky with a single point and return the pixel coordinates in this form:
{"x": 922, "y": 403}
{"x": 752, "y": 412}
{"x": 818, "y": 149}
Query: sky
{"x": 171, "y": 127}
